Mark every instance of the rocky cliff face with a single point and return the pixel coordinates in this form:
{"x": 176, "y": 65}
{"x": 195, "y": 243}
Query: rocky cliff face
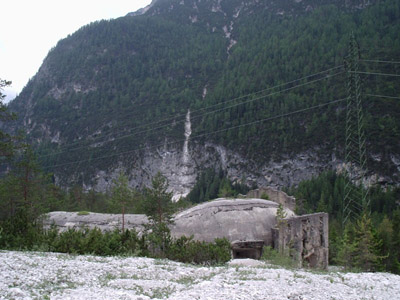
{"x": 182, "y": 168}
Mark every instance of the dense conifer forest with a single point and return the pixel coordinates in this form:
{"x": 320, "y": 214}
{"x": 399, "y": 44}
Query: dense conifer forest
{"x": 268, "y": 83}
{"x": 120, "y": 85}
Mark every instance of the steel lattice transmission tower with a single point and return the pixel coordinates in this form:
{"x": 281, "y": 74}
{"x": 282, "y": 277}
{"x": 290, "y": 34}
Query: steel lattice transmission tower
{"x": 356, "y": 200}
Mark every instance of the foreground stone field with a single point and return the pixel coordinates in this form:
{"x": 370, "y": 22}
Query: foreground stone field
{"x": 36, "y": 275}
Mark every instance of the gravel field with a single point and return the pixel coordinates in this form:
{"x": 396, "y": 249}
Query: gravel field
{"x": 37, "y": 275}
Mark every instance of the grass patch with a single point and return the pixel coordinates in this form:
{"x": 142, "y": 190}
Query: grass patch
{"x": 275, "y": 258}
{"x": 83, "y": 213}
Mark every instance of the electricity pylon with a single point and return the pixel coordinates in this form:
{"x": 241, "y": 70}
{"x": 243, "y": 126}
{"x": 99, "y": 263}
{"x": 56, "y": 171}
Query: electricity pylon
{"x": 355, "y": 200}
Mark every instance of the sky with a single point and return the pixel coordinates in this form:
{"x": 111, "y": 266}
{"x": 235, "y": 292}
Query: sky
{"x": 29, "y": 29}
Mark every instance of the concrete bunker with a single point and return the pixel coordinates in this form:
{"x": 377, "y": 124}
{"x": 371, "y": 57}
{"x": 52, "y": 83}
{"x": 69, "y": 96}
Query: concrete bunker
{"x": 249, "y": 224}
{"x": 247, "y": 249}
{"x": 241, "y": 220}
{"x": 305, "y": 239}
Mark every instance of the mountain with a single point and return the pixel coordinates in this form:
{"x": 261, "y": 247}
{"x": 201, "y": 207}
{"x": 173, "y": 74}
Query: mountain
{"x": 253, "y": 87}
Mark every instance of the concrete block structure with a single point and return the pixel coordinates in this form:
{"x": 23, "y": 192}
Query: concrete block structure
{"x": 249, "y": 224}
{"x": 305, "y": 239}
{"x": 274, "y": 195}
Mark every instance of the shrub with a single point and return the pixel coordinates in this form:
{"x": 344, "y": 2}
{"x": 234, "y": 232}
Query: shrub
{"x": 186, "y": 250}
{"x": 264, "y": 196}
{"x": 157, "y": 244}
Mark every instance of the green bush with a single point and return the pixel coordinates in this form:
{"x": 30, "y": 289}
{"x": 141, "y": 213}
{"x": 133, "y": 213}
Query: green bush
{"x": 83, "y": 213}
{"x": 157, "y": 244}
{"x": 186, "y": 250}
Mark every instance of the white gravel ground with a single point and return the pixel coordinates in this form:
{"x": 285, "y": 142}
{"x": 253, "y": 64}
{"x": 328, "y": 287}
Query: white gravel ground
{"x": 35, "y": 275}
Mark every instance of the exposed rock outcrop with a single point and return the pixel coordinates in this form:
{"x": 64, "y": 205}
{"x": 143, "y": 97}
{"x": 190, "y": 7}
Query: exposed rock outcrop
{"x": 182, "y": 169}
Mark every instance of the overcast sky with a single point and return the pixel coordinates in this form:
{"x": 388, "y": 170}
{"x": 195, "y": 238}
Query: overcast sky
{"x": 30, "y": 28}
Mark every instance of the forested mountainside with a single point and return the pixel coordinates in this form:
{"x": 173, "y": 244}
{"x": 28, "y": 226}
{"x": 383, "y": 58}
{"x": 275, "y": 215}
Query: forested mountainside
{"x": 253, "y": 87}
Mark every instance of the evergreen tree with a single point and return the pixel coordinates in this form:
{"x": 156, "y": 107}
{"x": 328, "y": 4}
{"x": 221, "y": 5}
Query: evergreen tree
{"x": 26, "y": 193}
{"x": 396, "y": 241}
{"x": 158, "y": 207}
{"x": 385, "y": 234}
{"x": 158, "y": 204}
{"x": 366, "y": 252}
{"x": 321, "y": 205}
{"x": 7, "y": 142}
{"x": 347, "y": 248}
{"x": 122, "y": 195}
{"x": 225, "y": 189}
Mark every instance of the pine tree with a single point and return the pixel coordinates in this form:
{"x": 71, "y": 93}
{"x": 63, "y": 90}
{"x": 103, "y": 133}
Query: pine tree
{"x": 366, "y": 245}
{"x": 385, "y": 234}
{"x": 7, "y": 142}
{"x": 122, "y": 195}
{"x": 347, "y": 247}
{"x": 225, "y": 189}
{"x": 396, "y": 241}
{"x": 158, "y": 204}
{"x": 158, "y": 207}
{"x": 321, "y": 205}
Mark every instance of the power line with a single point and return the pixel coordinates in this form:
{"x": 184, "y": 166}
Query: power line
{"x": 196, "y": 117}
{"x": 203, "y": 134}
{"x": 383, "y": 96}
{"x": 228, "y": 101}
{"x": 380, "y": 61}
{"x": 206, "y": 113}
{"x": 247, "y": 95}
{"x": 378, "y": 74}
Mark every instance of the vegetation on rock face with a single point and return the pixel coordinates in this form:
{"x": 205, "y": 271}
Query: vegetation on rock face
{"x": 211, "y": 185}
{"x": 7, "y": 142}
{"x": 122, "y": 85}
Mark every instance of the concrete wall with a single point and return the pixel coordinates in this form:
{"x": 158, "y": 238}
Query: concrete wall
{"x": 275, "y": 196}
{"x": 105, "y": 222}
{"x": 305, "y": 238}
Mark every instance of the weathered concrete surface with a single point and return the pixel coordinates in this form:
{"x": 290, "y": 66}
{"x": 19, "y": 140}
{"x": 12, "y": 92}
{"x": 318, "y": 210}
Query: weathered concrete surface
{"x": 234, "y": 219}
{"x": 305, "y": 238}
{"x": 105, "y": 222}
{"x": 275, "y": 196}
{"x": 247, "y": 249}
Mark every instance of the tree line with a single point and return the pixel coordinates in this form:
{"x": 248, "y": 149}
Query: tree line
{"x": 369, "y": 242}
{"x": 27, "y": 194}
